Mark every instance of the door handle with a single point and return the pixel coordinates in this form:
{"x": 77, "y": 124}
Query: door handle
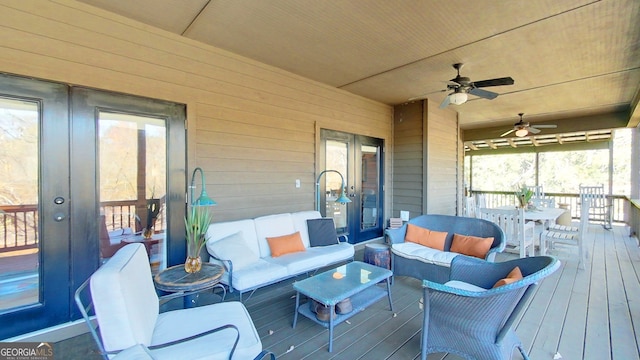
{"x": 58, "y": 217}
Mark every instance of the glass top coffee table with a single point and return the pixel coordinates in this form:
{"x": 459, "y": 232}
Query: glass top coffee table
{"x": 355, "y": 280}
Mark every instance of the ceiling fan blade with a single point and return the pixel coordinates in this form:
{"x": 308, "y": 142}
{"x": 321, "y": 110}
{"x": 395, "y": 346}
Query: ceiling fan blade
{"x": 483, "y": 93}
{"x": 494, "y": 82}
{"x": 533, "y": 130}
{"x": 545, "y": 126}
{"x": 444, "y": 102}
{"x": 508, "y": 132}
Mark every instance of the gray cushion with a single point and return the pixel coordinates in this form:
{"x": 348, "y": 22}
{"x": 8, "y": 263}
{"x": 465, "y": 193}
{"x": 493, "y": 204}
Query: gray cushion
{"x": 322, "y": 232}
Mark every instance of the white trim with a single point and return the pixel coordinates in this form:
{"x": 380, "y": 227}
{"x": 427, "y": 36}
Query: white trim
{"x": 53, "y": 334}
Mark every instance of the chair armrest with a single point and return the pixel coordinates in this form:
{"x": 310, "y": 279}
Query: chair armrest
{"x": 136, "y": 352}
{"x": 205, "y": 333}
{"x": 396, "y": 236}
{"x": 263, "y": 355}
{"x": 228, "y": 266}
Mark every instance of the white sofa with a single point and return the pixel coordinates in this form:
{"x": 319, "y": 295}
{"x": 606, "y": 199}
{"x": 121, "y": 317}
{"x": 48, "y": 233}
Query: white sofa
{"x": 241, "y": 247}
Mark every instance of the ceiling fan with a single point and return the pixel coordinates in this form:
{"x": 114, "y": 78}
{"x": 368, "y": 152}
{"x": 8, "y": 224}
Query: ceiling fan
{"x": 462, "y": 85}
{"x": 523, "y": 129}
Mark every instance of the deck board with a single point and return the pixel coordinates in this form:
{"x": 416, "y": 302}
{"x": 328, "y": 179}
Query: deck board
{"x": 590, "y": 313}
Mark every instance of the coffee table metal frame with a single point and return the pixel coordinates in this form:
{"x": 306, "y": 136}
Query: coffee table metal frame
{"x": 355, "y": 280}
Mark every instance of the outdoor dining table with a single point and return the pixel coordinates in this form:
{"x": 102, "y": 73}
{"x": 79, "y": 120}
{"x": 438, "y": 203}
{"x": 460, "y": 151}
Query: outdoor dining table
{"x": 545, "y": 215}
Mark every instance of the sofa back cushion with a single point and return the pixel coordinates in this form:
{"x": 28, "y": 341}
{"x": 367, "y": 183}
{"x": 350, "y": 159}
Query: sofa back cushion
{"x": 300, "y": 224}
{"x": 459, "y": 225}
{"x": 234, "y": 248}
{"x": 245, "y": 228}
{"x": 272, "y": 226}
{"x": 125, "y": 299}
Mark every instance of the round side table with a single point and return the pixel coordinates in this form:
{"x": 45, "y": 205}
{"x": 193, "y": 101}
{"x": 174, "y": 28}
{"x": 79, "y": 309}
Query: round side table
{"x": 176, "y": 280}
{"x": 378, "y": 255}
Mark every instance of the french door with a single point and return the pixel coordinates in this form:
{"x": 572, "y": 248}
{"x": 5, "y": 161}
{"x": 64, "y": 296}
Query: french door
{"x": 359, "y": 159}
{"x": 77, "y": 163}
{"x": 34, "y": 199}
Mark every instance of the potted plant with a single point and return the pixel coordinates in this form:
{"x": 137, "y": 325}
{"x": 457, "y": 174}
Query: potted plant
{"x": 196, "y": 224}
{"x": 523, "y": 194}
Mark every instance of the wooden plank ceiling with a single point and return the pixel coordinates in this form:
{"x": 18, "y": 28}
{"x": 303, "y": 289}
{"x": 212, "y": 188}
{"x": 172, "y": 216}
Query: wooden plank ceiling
{"x": 569, "y": 59}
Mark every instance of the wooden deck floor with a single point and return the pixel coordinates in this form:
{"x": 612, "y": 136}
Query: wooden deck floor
{"x": 581, "y": 314}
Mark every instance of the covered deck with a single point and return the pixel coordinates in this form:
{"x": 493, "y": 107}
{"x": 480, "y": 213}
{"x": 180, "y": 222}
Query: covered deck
{"x": 581, "y": 314}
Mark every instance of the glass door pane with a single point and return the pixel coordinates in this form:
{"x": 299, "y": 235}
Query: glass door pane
{"x": 132, "y": 168}
{"x": 369, "y": 185}
{"x": 337, "y": 154}
{"x": 19, "y": 237}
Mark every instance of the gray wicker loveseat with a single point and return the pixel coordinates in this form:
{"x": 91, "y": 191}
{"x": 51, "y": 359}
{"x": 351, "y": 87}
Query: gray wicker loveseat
{"x": 422, "y": 262}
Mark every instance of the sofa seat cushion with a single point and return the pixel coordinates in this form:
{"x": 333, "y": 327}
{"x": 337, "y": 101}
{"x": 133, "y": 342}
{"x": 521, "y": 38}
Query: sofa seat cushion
{"x": 333, "y": 253}
{"x": 258, "y": 273}
{"x": 423, "y": 253}
{"x": 313, "y": 258}
{"x": 177, "y": 324}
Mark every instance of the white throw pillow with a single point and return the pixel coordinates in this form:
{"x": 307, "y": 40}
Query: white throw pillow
{"x": 235, "y": 249}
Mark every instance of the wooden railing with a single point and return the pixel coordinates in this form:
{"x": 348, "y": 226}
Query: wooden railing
{"x": 19, "y": 223}
{"x": 634, "y": 218}
{"x": 620, "y": 211}
{"x": 18, "y": 227}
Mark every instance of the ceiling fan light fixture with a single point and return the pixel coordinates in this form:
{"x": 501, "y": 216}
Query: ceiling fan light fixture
{"x": 522, "y": 132}
{"x": 458, "y": 98}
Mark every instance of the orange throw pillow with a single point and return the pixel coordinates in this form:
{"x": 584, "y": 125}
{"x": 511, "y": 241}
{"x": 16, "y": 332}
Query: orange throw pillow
{"x": 513, "y": 276}
{"x": 285, "y": 244}
{"x": 425, "y": 237}
{"x": 471, "y": 245}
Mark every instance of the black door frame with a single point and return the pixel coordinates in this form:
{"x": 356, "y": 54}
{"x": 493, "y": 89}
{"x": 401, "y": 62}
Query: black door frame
{"x": 53, "y": 254}
{"x": 69, "y": 239}
{"x": 353, "y": 181}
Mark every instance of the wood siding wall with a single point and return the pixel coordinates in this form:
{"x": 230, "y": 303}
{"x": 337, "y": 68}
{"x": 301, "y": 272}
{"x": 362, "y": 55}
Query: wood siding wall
{"x": 408, "y": 189}
{"x": 251, "y": 127}
{"x": 426, "y": 159}
{"x": 442, "y": 159}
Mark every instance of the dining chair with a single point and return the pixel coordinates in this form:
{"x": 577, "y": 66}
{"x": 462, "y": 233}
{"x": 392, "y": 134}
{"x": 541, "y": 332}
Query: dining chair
{"x": 470, "y": 206}
{"x": 107, "y": 247}
{"x": 471, "y": 315}
{"x": 123, "y": 299}
{"x": 571, "y": 235}
{"x": 538, "y": 191}
{"x": 600, "y": 206}
{"x": 543, "y": 202}
{"x": 519, "y": 233}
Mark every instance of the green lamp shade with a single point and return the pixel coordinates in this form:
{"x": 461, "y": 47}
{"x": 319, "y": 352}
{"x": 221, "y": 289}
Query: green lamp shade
{"x": 343, "y": 199}
{"x": 204, "y": 200}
